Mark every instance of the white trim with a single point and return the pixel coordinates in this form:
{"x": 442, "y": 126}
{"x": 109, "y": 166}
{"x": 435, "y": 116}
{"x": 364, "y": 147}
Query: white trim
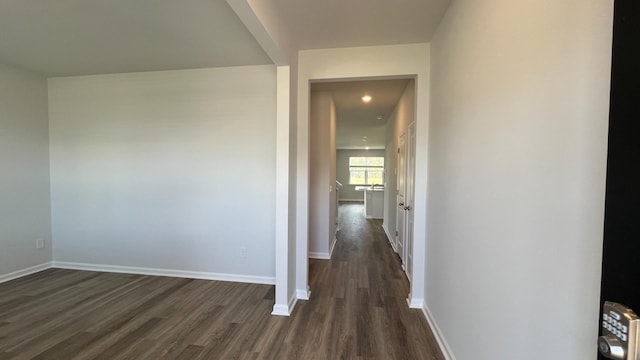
{"x": 404, "y": 270}
{"x": 285, "y": 310}
{"x": 280, "y": 310}
{"x": 415, "y": 303}
{"x": 250, "y": 20}
{"x": 364, "y": 63}
{"x": 303, "y": 294}
{"x": 389, "y": 237}
{"x": 166, "y": 272}
{"x": 324, "y": 255}
{"x": 319, "y": 255}
{"x": 351, "y": 200}
{"x": 437, "y": 333}
{"x": 292, "y": 302}
{"x": 333, "y": 246}
{"x": 24, "y": 272}
{"x": 282, "y": 291}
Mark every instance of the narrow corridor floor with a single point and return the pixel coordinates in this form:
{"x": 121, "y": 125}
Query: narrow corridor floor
{"x": 358, "y": 302}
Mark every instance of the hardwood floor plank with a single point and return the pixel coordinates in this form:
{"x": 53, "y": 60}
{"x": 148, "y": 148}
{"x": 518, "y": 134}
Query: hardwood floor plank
{"x": 66, "y": 348}
{"x": 128, "y": 340}
{"x": 190, "y": 352}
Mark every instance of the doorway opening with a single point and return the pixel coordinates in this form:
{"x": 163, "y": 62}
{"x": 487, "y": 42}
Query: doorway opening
{"x": 360, "y": 147}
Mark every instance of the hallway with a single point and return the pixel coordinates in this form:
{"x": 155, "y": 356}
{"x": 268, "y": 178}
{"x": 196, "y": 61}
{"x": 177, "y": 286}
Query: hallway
{"x": 358, "y": 297}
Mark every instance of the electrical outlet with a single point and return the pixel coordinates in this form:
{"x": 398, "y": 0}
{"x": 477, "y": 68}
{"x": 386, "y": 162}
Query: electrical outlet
{"x": 243, "y": 251}
{"x": 39, "y": 243}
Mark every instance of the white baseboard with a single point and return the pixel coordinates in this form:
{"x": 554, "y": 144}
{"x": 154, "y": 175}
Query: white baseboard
{"x": 324, "y": 255}
{"x": 415, "y": 303}
{"x": 361, "y": 200}
{"x": 319, "y": 255}
{"x": 442, "y": 342}
{"x": 389, "y": 237}
{"x": 333, "y": 246}
{"x": 303, "y": 294}
{"x": 166, "y": 272}
{"x": 280, "y": 310}
{"x": 24, "y": 272}
{"x": 285, "y": 310}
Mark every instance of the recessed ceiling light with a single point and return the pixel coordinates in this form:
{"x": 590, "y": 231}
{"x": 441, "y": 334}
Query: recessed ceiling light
{"x": 366, "y": 98}
{"x": 379, "y": 117}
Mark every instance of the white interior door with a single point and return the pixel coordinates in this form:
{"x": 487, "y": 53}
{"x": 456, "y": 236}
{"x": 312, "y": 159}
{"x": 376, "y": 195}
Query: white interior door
{"x": 409, "y": 199}
{"x": 400, "y": 196}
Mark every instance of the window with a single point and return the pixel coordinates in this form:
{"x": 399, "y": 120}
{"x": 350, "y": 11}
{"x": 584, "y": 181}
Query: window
{"x": 366, "y": 170}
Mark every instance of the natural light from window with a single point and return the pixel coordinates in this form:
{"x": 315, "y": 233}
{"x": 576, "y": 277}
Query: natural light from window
{"x": 366, "y": 170}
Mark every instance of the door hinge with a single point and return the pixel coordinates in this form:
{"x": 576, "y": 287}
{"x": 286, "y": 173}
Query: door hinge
{"x": 396, "y": 232}
{"x": 398, "y": 150}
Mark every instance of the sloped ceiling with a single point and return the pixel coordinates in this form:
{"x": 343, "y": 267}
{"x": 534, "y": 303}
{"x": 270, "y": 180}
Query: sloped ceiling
{"x": 84, "y": 37}
{"x": 81, "y": 37}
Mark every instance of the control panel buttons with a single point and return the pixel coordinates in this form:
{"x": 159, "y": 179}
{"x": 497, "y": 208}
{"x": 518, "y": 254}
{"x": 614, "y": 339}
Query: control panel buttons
{"x": 620, "y": 326}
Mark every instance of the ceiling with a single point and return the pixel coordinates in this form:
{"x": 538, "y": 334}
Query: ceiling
{"x": 81, "y": 37}
{"x": 85, "y": 37}
{"x": 320, "y": 24}
{"x": 357, "y": 119}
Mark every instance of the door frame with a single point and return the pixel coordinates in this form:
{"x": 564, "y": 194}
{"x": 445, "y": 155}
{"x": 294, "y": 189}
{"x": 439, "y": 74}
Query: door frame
{"x": 409, "y": 197}
{"x": 363, "y": 63}
{"x": 401, "y": 189}
{"x": 404, "y": 217}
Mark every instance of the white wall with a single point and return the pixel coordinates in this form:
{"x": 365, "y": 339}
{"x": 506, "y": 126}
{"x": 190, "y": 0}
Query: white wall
{"x": 323, "y": 174}
{"x": 403, "y": 114}
{"x": 169, "y": 170}
{"x": 24, "y": 172}
{"x": 348, "y": 192}
{"x": 374, "y": 62}
{"x": 518, "y": 135}
{"x": 333, "y": 196}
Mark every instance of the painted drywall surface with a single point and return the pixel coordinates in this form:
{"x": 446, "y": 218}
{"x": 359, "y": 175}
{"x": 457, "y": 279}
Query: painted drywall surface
{"x": 172, "y": 170}
{"x": 322, "y": 185}
{"x": 348, "y": 192}
{"x": 333, "y": 194}
{"x": 403, "y": 115}
{"x": 24, "y": 170}
{"x": 364, "y": 63}
{"x": 516, "y": 177}
{"x": 292, "y": 251}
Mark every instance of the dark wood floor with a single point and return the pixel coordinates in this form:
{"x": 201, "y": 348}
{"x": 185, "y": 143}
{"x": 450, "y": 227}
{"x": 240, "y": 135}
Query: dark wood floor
{"x": 357, "y": 311}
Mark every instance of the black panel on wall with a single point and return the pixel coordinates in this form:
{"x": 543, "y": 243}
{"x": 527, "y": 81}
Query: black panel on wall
{"x": 621, "y": 248}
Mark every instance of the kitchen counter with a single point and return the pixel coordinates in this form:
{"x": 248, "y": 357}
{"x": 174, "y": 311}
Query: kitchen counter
{"x": 373, "y": 201}
{"x": 369, "y": 188}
